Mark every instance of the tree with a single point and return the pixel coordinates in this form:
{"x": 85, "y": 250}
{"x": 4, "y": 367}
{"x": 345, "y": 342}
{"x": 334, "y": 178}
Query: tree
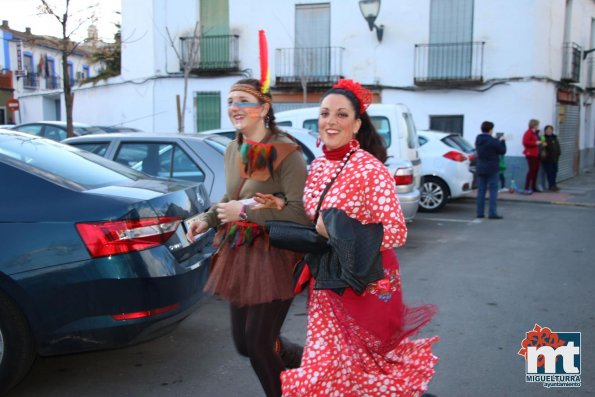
{"x": 188, "y": 61}
{"x": 109, "y": 55}
{"x": 67, "y": 48}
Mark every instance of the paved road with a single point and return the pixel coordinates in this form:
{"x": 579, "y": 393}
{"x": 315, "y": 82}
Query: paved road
{"x": 491, "y": 280}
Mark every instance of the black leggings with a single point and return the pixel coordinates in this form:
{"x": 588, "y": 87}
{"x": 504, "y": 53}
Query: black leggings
{"x": 255, "y": 330}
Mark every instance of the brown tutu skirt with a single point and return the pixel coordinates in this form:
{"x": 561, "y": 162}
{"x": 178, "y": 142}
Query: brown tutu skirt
{"x": 248, "y": 271}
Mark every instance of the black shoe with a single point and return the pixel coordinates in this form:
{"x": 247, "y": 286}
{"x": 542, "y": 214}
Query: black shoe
{"x": 290, "y": 353}
{"x": 480, "y": 216}
{"x": 495, "y": 217}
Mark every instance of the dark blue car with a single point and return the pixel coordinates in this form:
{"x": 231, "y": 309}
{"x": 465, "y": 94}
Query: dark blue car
{"x": 93, "y": 254}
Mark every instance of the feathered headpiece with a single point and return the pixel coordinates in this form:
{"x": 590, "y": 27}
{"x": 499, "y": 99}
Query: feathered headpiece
{"x": 265, "y": 78}
{"x": 265, "y": 75}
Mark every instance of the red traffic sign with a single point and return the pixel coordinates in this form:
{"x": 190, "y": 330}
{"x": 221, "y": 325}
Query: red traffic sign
{"x": 12, "y": 104}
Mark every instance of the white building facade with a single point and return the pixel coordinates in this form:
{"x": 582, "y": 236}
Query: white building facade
{"x": 455, "y": 63}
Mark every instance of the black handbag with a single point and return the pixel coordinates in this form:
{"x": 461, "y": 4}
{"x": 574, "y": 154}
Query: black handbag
{"x": 297, "y": 237}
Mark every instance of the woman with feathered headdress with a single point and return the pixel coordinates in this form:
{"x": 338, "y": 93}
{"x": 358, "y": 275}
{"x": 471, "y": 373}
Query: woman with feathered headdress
{"x": 262, "y": 164}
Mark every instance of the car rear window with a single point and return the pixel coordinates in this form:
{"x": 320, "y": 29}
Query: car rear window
{"x": 311, "y": 124}
{"x": 165, "y": 160}
{"x": 98, "y": 148}
{"x": 64, "y": 164}
{"x": 458, "y": 142}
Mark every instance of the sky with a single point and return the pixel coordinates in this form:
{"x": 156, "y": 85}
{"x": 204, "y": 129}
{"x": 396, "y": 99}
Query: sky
{"x": 24, "y": 13}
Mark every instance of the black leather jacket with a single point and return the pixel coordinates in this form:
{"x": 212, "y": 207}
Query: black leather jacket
{"x": 353, "y": 260}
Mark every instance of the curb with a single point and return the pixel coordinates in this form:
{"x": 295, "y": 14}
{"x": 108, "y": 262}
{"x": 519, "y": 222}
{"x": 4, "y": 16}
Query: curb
{"x": 551, "y": 202}
{"x": 573, "y": 204}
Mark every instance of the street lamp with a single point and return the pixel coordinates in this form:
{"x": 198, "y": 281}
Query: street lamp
{"x": 370, "y": 9}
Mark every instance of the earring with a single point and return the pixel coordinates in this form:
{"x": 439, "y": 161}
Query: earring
{"x": 266, "y": 121}
{"x": 318, "y": 141}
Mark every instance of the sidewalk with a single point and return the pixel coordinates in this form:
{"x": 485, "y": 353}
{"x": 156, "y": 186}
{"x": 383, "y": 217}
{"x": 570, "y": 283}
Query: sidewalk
{"x": 577, "y": 191}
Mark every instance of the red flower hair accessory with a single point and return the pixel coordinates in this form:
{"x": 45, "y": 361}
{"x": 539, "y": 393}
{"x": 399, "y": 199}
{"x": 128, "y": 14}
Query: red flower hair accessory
{"x": 363, "y": 95}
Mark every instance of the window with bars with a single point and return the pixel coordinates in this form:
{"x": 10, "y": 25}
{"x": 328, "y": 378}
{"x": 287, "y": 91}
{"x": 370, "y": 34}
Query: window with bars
{"x": 447, "y": 124}
{"x": 208, "y": 110}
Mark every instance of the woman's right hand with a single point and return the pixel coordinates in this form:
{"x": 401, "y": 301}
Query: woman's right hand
{"x": 268, "y": 201}
{"x": 196, "y": 228}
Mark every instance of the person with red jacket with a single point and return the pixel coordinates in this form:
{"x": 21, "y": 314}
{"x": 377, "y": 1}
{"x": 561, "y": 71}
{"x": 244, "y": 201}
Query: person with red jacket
{"x": 532, "y": 143}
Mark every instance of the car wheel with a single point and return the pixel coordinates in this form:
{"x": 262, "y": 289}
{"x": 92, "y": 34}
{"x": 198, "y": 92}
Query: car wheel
{"x": 434, "y": 194}
{"x": 17, "y": 351}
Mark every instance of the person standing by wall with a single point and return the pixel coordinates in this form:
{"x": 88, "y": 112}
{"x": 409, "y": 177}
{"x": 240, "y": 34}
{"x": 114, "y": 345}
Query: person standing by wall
{"x": 489, "y": 150}
{"x": 531, "y": 144}
{"x": 551, "y": 155}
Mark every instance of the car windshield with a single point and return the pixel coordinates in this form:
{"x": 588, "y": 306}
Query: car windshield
{"x": 63, "y": 164}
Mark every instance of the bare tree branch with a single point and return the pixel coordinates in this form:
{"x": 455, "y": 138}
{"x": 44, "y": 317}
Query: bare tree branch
{"x": 187, "y": 65}
{"x": 67, "y": 47}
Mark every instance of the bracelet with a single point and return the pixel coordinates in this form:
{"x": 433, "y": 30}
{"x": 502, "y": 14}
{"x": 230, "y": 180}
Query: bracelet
{"x": 243, "y": 215}
{"x": 281, "y": 196}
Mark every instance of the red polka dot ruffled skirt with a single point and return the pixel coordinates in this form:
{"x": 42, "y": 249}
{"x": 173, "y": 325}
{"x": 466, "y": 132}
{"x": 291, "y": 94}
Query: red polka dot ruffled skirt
{"x": 349, "y": 354}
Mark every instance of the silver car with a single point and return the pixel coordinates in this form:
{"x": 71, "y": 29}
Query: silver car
{"x": 190, "y": 157}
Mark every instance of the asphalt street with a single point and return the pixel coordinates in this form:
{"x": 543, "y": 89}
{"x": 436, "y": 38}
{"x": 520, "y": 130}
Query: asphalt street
{"x": 491, "y": 280}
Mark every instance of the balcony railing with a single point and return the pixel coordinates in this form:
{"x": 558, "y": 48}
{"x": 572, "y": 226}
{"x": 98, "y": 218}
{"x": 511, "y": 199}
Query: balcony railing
{"x": 212, "y": 54}
{"x": 449, "y": 63}
{"x": 314, "y": 65}
{"x": 31, "y": 81}
{"x": 35, "y": 82}
{"x": 571, "y": 62}
{"x": 53, "y": 82}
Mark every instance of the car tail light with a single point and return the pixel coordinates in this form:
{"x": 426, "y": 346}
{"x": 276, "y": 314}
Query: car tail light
{"x": 118, "y": 237}
{"x": 144, "y": 313}
{"x": 404, "y": 176}
{"x": 455, "y": 156}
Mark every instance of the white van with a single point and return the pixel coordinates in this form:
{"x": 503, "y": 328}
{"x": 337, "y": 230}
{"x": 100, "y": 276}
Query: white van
{"x": 394, "y": 123}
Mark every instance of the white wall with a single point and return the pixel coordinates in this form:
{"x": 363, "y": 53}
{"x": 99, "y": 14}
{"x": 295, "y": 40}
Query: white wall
{"x": 149, "y": 105}
{"x": 508, "y": 107}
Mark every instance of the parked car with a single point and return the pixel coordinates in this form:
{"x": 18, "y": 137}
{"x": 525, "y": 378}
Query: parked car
{"x": 402, "y": 170}
{"x": 393, "y": 122}
{"x": 445, "y": 168}
{"x": 190, "y": 157}
{"x": 93, "y": 254}
{"x": 56, "y": 130}
{"x": 457, "y": 141}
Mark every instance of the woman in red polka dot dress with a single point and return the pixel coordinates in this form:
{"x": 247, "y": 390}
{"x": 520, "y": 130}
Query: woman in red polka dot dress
{"x": 358, "y": 345}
